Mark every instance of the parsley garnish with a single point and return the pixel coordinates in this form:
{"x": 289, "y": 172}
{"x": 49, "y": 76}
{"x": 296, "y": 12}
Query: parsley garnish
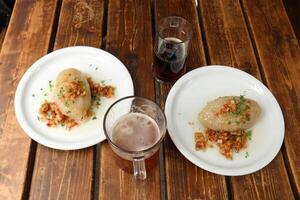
{"x": 94, "y": 118}
{"x": 241, "y": 105}
{"x": 246, "y": 154}
{"x": 66, "y": 103}
{"x": 249, "y": 135}
{"x": 33, "y": 95}
{"x": 50, "y": 85}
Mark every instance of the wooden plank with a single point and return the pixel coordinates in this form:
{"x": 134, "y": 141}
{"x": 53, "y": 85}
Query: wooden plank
{"x": 184, "y": 179}
{"x": 69, "y": 174}
{"x": 26, "y": 40}
{"x": 129, "y": 37}
{"x": 279, "y": 54}
{"x": 292, "y": 8}
{"x": 229, "y": 44}
{"x": 2, "y": 35}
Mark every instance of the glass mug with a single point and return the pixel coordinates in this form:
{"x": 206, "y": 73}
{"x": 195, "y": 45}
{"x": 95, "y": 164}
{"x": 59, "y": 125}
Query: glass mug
{"x": 134, "y": 128}
{"x": 172, "y": 38}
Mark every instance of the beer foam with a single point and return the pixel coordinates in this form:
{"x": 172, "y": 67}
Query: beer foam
{"x": 135, "y": 132}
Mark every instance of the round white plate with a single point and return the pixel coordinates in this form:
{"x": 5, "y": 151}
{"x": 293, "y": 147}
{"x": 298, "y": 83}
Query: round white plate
{"x": 190, "y": 95}
{"x": 33, "y": 89}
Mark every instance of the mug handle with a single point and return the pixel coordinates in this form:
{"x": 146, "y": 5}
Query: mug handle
{"x": 139, "y": 169}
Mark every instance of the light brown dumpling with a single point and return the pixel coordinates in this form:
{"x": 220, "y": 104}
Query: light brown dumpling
{"x": 211, "y": 117}
{"x": 72, "y": 94}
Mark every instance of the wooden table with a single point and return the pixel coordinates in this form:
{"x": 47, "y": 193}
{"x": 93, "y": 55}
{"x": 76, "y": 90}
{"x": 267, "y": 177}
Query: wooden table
{"x": 253, "y": 35}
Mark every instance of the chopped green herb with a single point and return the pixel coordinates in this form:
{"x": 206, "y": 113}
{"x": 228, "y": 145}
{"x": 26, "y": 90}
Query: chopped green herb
{"x": 68, "y": 111}
{"x": 96, "y": 68}
{"x": 38, "y": 118}
{"x": 103, "y": 81}
{"x": 249, "y": 135}
{"x": 94, "y": 118}
{"x": 45, "y": 94}
{"x": 33, "y": 95}
{"x": 241, "y": 105}
{"x": 66, "y": 103}
{"x": 50, "y": 85}
{"x": 246, "y": 154}
{"x": 229, "y": 122}
{"x": 62, "y": 124}
{"x": 41, "y": 89}
{"x": 98, "y": 103}
{"x": 96, "y": 98}
{"x": 231, "y": 157}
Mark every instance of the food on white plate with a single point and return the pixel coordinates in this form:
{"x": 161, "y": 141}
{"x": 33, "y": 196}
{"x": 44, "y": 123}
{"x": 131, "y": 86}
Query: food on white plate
{"x": 230, "y": 113}
{"x": 74, "y": 97}
{"x": 226, "y": 120}
{"x": 72, "y": 94}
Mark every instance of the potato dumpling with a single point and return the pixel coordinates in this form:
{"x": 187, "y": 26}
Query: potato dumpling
{"x": 72, "y": 94}
{"x": 230, "y": 113}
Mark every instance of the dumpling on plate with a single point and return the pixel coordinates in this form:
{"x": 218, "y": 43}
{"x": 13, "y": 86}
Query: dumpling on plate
{"x": 230, "y": 113}
{"x": 72, "y": 94}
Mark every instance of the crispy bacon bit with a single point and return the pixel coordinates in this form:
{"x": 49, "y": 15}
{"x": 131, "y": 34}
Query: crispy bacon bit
{"x": 50, "y": 113}
{"x": 228, "y": 142}
{"x": 229, "y": 106}
{"x": 101, "y": 90}
{"x": 74, "y": 90}
{"x": 200, "y": 140}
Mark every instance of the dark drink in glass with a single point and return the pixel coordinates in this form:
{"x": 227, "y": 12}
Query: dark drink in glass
{"x": 171, "y": 48}
{"x": 169, "y": 60}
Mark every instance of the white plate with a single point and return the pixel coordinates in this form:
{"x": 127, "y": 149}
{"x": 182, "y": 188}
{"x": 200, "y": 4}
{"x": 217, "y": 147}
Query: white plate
{"x": 93, "y": 62}
{"x": 190, "y": 95}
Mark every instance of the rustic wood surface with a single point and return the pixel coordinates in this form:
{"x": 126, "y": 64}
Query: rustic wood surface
{"x": 53, "y": 175}
{"x": 129, "y": 37}
{"x": 279, "y": 54}
{"x": 255, "y": 36}
{"x": 292, "y": 8}
{"x": 229, "y": 44}
{"x": 2, "y": 35}
{"x": 16, "y": 56}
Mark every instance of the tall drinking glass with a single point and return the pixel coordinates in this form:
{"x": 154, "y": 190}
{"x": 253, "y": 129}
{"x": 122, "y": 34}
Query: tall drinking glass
{"x": 135, "y": 127}
{"x": 171, "y": 46}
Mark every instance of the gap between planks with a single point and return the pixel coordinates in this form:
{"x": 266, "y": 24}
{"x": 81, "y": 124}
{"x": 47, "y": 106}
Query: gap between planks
{"x": 33, "y": 145}
{"x": 97, "y": 154}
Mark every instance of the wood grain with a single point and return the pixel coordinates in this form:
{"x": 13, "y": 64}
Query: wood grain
{"x": 2, "y": 35}
{"x": 129, "y": 37}
{"x": 184, "y": 180}
{"x": 229, "y": 44}
{"x": 292, "y": 8}
{"x": 279, "y": 54}
{"x": 69, "y": 174}
{"x": 26, "y": 40}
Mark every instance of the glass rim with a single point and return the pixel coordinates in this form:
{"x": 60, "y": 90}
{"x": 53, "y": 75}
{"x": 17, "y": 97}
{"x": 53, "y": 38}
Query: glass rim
{"x": 128, "y": 151}
{"x": 178, "y": 17}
